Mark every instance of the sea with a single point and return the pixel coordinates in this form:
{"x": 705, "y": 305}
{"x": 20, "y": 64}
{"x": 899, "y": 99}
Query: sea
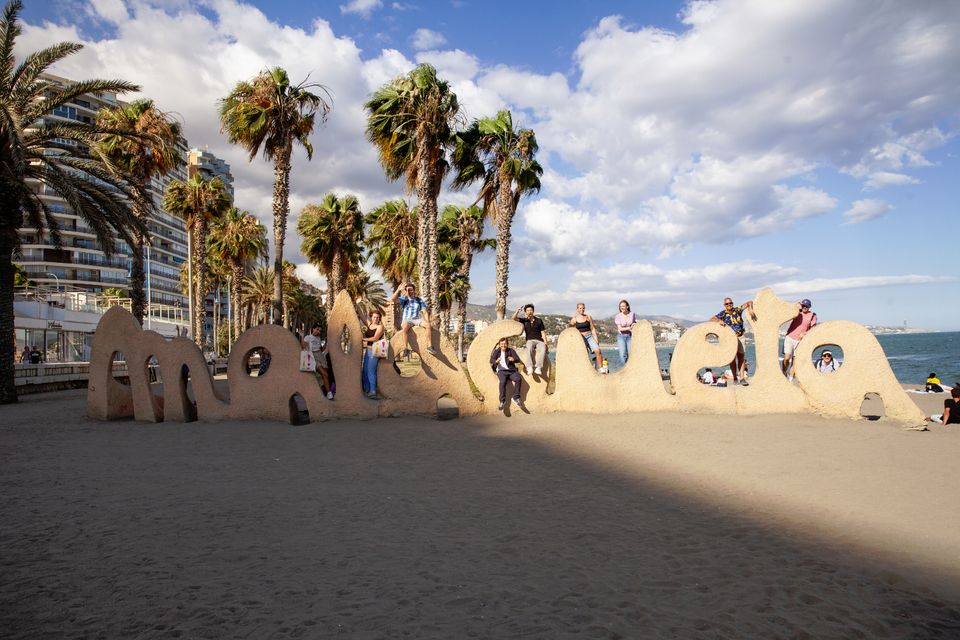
{"x": 912, "y": 356}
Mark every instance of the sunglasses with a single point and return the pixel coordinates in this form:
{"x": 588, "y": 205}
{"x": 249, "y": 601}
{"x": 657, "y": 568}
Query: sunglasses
{"x": 827, "y": 355}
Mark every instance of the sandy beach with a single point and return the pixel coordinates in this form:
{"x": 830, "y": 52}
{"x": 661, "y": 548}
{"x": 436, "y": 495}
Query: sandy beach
{"x": 653, "y": 526}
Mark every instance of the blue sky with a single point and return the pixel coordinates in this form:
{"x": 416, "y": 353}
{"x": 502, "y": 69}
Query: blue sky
{"x": 692, "y": 150}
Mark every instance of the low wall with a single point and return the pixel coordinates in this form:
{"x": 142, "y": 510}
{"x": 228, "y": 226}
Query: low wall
{"x": 638, "y": 387}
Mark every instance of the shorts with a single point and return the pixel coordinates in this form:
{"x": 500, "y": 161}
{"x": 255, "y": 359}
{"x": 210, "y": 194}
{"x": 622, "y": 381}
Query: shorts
{"x": 415, "y": 322}
{"x": 789, "y": 346}
{"x": 741, "y": 345}
{"x": 591, "y": 342}
{"x": 320, "y": 358}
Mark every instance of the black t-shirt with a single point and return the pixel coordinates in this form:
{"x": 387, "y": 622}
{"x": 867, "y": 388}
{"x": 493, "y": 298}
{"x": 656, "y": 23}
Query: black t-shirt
{"x": 532, "y": 329}
{"x": 35, "y": 357}
{"x": 954, "y": 407}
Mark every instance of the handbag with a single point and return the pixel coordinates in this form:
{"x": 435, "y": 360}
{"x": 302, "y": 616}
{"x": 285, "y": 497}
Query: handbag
{"x": 379, "y": 348}
{"x": 307, "y": 361}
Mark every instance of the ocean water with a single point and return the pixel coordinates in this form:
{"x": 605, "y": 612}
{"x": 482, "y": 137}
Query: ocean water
{"x": 912, "y": 356}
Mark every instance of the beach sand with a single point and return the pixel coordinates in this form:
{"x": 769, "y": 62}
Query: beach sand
{"x": 559, "y": 526}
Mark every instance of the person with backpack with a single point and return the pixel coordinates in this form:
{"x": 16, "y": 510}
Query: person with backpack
{"x": 803, "y": 322}
{"x": 827, "y": 363}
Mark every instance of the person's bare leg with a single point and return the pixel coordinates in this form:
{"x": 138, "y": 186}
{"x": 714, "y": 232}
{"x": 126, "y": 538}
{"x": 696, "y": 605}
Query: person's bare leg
{"x": 733, "y": 367}
{"x": 405, "y": 330}
{"x": 599, "y": 358}
{"x": 325, "y": 376}
{"x": 742, "y": 360}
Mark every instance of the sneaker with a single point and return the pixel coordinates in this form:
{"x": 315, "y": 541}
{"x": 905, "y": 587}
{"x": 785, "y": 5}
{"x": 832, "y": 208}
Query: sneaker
{"x": 500, "y": 407}
{"x": 519, "y": 403}
{"x": 371, "y": 394}
{"x": 744, "y": 383}
{"x": 329, "y": 395}
{"x": 431, "y": 351}
{"x": 537, "y": 371}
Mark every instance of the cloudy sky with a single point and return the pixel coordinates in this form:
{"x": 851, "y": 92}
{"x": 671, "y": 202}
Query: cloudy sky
{"x": 692, "y": 150}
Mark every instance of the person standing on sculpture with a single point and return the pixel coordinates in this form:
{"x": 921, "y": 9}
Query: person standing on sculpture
{"x": 415, "y": 314}
{"x": 315, "y": 344}
{"x": 588, "y": 331}
{"x": 624, "y": 321}
{"x": 732, "y": 316}
{"x": 535, "y": 347}
{"x": 803, "y": 322}
{"x": 372, "y": 334}
{"x": 503, "y": 360}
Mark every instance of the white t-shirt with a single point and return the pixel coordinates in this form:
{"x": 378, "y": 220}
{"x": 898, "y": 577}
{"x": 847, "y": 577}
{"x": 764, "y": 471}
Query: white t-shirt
{"x": 708, "y": 377}
{"x": 503, "y": 359}
{"x": 314, "y": 343}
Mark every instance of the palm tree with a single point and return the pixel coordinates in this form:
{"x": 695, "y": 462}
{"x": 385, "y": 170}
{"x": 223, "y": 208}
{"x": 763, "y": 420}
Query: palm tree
{"x": 290, "y": 283}
{"x": 258, "y": 294}
{"x": 305, "y": 309}
{"x": 502, "y": 158}
{"x": 410, "y": 121}
{"x": 453, "y": 286}
{"x": 462, "y": 227}
{"x": 269, "y": 114}
{"x": 34, "y": 150}
{"x": 392, "y": 244}
{"x": 367, "y": 293}
{"x": 197, "y": 202}
{"x": 237, "y": 238}
{"x": 332, "y": 235}
{"x": 153, "y": 152}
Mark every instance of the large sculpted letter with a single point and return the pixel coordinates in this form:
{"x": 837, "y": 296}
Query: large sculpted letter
{"x": 533, "y": 389}
{"x": 694, "y": 352}
{"x": 769, "y": 390}
{"x": 636, "y": 387}
{"x": 865, "y": 370}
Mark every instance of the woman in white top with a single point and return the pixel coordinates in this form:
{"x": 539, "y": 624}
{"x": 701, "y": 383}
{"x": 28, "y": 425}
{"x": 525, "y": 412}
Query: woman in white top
{"x": 624, "y": 321}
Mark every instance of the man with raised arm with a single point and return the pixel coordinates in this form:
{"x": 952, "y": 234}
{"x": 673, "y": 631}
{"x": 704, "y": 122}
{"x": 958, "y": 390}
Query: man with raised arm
{"x": 535, "y": 347}
{"x": 732, "y": 316}
{"x": 415, "y": 314}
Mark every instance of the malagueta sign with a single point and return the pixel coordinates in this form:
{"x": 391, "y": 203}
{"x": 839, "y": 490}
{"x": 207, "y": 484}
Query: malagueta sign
{"x": 638, "y": 387}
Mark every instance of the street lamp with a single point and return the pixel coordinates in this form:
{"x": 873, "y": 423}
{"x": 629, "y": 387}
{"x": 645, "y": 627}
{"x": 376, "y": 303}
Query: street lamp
{"x": 55, "y": 278}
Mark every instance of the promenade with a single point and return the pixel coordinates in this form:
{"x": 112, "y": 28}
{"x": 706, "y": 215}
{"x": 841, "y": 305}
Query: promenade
{"x": 649, "y": 525}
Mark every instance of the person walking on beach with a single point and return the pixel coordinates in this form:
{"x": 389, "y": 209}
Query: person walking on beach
{"x": 503, "y": 360}
{"x": 624, "y": 321}
{"x": 415, "y": 314}
{"x": 803, "y": 322}
{"x": 313, "y": 343}
{"x": 732, "y": 316}
{"x": 372, "y": 334}
{"x": 951, "y": 409}
{"x": 535, "y": 347}
{"x": 588, "y": 331}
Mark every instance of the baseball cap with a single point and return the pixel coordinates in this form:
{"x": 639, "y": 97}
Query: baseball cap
{"x": 806, "y": 303}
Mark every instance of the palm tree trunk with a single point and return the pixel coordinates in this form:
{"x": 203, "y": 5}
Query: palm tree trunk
{"x": 200, "y": 275}
{"x": 8, "y": 344}
{"x": 236, "y": 294}
{"x": 281, "y": 206}
{"x": 138, "y": 280}
{"x": 337, "y": 279}
{"x": 505, "y": 212}
{"x": 427, "y": 265}
{"x": 216, "y": 318}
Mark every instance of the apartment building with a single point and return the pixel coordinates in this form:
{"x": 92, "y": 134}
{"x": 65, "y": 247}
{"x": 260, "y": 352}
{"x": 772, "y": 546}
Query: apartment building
{"x": 81, "y": 264}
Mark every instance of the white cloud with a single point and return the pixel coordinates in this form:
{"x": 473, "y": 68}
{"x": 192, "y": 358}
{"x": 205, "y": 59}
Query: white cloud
{"x": 864, "y": 210}
{"x": 857, "y": 282}
{"x": 427, "y": 39}
{"x": 363, "y": 8}
{"x": 880, "y": 179}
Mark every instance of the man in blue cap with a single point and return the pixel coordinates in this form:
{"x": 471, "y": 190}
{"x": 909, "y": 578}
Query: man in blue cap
{"x": 798, "y": 328}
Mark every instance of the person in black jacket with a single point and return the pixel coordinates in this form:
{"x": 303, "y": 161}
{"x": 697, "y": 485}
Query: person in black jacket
{"x": 503, "y": 360}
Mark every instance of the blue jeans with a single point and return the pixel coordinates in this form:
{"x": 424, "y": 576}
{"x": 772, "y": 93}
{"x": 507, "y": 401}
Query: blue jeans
{"x": 623, "y": 346}
{"x": 369, "y": 376}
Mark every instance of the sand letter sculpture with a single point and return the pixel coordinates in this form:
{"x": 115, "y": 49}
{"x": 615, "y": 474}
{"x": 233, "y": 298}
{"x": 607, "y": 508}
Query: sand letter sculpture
{"x": 570, "y": 384}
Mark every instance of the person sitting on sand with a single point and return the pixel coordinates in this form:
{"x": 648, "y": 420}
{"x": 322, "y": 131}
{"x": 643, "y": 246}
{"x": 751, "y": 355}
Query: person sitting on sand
{"x": 951, "y": 409}
{"x": 588, "y": 331}
{"x": 708, "y": 377}
{"x": 415, "y": 314}
{"x": 826, "y": 363}
{"x": 933, "y": 384}
{"x": 732, "y": 316}
{"x": 803, "y": 322}
{"x": 503, "y": 360}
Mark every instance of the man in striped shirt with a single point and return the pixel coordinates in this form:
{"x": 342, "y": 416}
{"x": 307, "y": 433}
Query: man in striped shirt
{"x": 415, "y": 314}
